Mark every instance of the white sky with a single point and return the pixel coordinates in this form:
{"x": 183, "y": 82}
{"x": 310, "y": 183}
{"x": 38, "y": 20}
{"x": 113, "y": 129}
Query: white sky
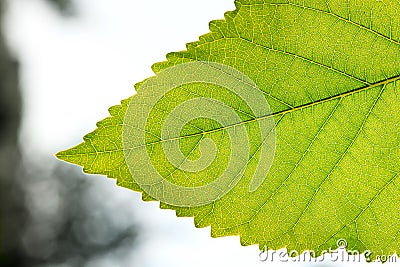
{"x": 73, "y": 70}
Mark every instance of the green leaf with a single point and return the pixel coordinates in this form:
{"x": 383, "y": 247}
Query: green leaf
{"x": 328, "y": 72}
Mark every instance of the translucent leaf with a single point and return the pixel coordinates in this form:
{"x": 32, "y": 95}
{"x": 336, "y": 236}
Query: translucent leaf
{"x": 280, "y": 125}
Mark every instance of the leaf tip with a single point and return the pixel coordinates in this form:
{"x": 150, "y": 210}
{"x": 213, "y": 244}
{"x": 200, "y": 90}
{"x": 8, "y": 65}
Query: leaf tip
{"x": 64, "y": 155}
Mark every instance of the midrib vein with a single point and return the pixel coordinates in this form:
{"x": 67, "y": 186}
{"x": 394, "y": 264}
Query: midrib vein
{"x": 282, "y": 112}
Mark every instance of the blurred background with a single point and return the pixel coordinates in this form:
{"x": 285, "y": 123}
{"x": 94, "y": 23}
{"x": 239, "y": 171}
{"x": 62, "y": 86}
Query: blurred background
{"x": 62, "y": 64}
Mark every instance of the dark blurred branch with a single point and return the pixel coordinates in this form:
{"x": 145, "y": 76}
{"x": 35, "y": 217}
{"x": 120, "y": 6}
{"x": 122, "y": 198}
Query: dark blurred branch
{"x": 66, "y": 7}
{"x": 10, "y": 116}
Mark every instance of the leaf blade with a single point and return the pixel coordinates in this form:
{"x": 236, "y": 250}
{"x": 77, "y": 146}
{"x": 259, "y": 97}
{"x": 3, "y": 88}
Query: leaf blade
{"x": 350, "y": 76}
